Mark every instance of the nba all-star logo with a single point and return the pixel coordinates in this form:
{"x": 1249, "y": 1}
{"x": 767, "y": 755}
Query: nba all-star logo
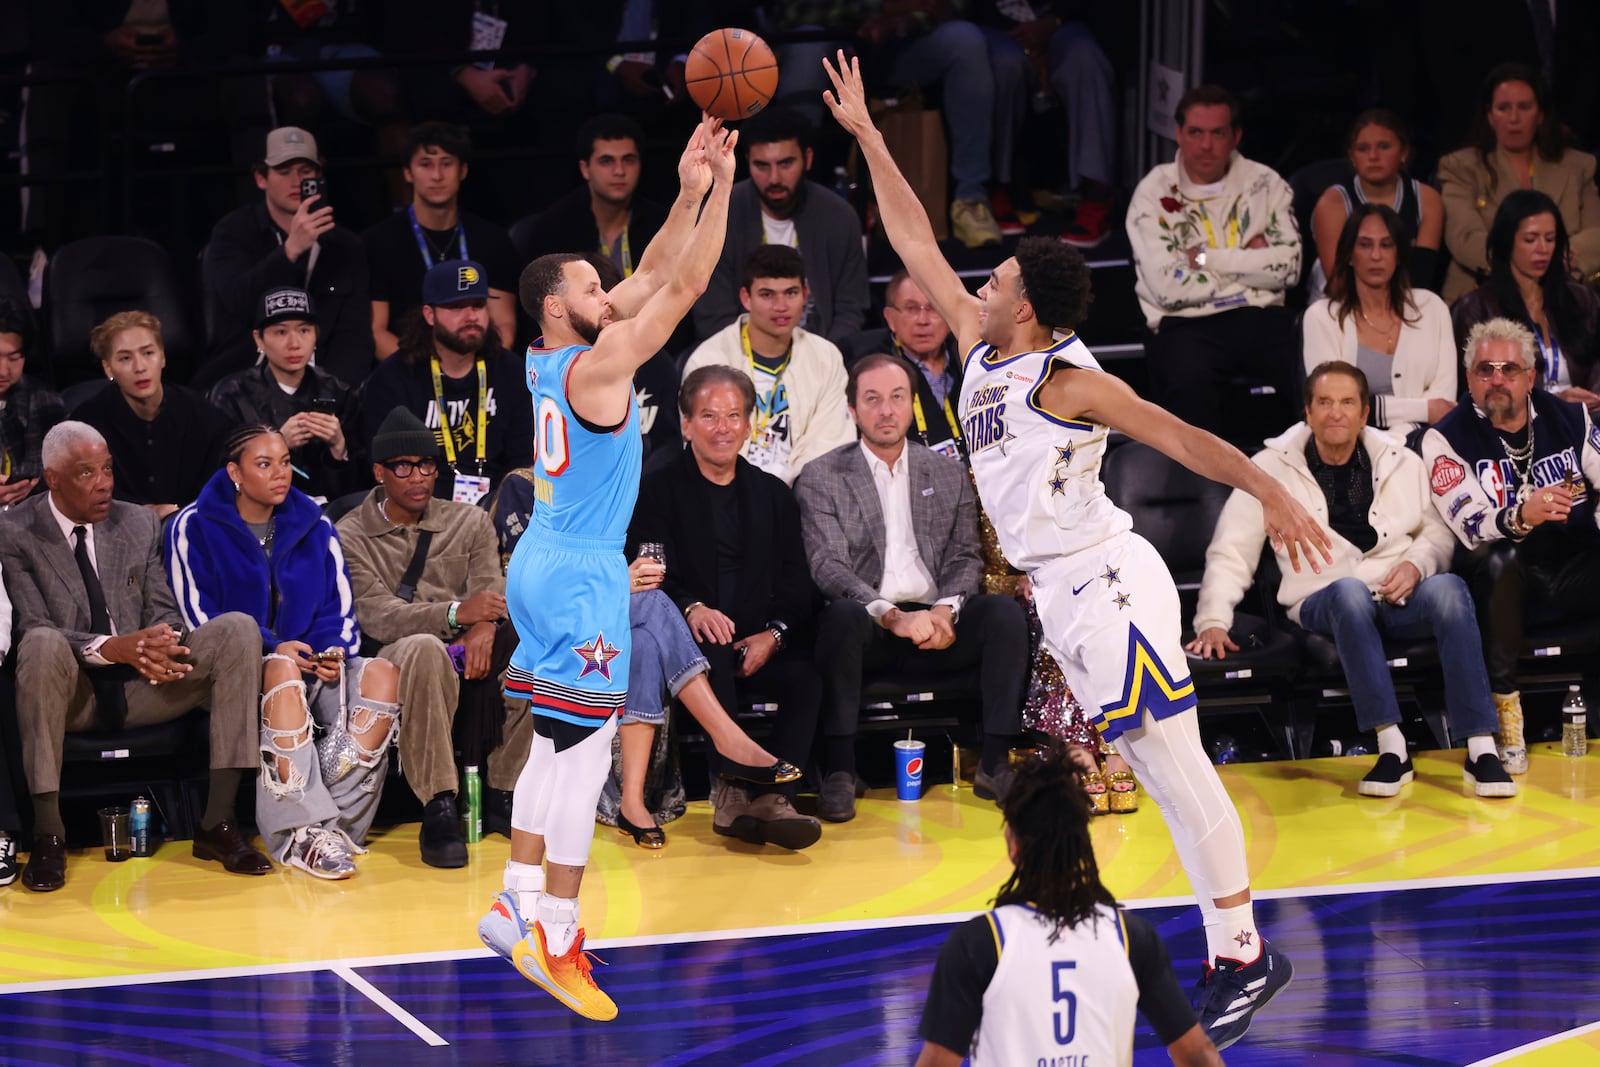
{"x": 597, "y": 656}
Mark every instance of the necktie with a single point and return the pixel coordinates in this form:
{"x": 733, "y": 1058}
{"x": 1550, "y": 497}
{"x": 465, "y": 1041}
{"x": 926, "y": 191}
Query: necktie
{"x": 111, "y": 704}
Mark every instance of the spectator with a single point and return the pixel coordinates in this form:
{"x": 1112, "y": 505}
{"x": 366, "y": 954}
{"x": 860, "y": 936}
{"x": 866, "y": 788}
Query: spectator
{"x": 1516, "y": 143}
{"x": 605, "y": 213}
{"x": 917, "y": 44}
{"x": 1389, "y": 575}
{"x": 1378, "y": 147}
{"x": 309, "y": 406}
{"x": 261, "y": 547}
{"x": 1513, "y": 475}
{"x": 451, "y": 371}
{"x": 737, "y": 572}
{"x": 1372, "y": 318}
{"x": 1037, "y": 53}
{"x": 900, "y": 569}
{"x": 10, "y": 818}
{"x": 432, "y": 229}
{"x": 428, "y": 586}
{"x": 101, "y": 648}
{"x": 1527, "y": 284}
{"x": 799, "y": 376}
{"x": 917, "y": 332}
{"x": 287, "y": 240}
{"x": 166, "y": 440}
{"x": 28, "y": 408}
{"x": 1215, "y": 249}
{"x": 777, "y": 205}
{"x": 665, "y": 660}
{"x": 472, "y": 92}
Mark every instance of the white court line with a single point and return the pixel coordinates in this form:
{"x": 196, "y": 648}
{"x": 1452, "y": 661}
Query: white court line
{"x": 381, "y": 999}
{"x": 837, "y": 926}
{"x": 1533, "y": 1046}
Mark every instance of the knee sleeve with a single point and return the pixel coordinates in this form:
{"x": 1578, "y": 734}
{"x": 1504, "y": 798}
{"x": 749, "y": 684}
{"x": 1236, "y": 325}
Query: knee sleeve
{"x": 580, "y": 774}
{"x": 530, "y": 800}
{"x": 1171, "y": 765}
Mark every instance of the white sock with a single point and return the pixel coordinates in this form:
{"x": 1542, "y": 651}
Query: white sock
{"x": 1235, "y": 936}
{"x": 1481, "y": 745}
{"x": 1392, "y": 741}
{"x": 526, "y": 880}
{"x": 559, "y": 918}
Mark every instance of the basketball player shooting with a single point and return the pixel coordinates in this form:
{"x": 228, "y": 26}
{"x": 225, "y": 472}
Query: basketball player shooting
{"x": 1105, "y": 598}
{"x": 567, "y": 581}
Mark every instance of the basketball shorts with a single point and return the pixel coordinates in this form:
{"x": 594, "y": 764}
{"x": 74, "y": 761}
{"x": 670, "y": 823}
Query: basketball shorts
{"x": 1111, "y": 619}
{"x": 568, "y": 598}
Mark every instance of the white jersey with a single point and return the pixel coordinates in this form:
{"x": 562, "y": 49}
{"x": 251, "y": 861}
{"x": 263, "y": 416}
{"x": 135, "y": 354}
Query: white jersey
{"x": 1070, "y": 1002}
{"x": 1038, "y": 474}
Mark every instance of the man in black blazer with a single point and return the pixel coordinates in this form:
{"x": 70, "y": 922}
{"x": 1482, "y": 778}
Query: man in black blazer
{"x": 891, "y": 530}
{"x": 737, "y": 569}
{"x": 102, "y": 647}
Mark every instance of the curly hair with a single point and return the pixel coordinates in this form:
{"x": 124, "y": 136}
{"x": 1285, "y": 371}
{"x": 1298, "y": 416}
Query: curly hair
{"x": 1055, "y": 280}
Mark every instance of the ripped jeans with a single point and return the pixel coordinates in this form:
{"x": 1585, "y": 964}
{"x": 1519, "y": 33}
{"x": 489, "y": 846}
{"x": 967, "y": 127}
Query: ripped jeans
{"x": 304, "y": 796}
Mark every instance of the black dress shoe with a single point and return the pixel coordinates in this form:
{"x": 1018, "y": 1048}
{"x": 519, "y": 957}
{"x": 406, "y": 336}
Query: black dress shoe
{"x": 225, "y": 844}
{"x": 441, "y": 839}
{"x": 779, "y": 773}
{"x": 47, "y": 864}
{"x": 497, "y": 811}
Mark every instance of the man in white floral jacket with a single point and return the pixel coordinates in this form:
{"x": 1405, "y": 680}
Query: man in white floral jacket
{"x": 1216, "y": 247}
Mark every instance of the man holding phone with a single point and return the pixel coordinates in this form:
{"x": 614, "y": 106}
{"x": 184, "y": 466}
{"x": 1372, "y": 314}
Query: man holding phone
{"x": 287, "y": 240}
{"x": 287, "y": 390}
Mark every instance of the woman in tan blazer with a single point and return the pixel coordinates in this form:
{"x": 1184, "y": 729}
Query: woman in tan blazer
{"x": 1516, "y": 144}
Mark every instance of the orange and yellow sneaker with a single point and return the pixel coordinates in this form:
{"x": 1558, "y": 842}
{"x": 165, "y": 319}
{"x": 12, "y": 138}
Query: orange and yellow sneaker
{"x": 565, "y": 977}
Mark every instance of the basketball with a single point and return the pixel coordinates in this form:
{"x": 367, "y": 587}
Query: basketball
{"x": 731, "y": 74}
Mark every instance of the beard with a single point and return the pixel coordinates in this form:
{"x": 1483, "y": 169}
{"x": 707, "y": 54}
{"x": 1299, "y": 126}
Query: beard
{"x": 453, "y": 340}
{"x": 781, "y": 209}
{"x": 588, "y": 329}
{"x": 1498, "y": 405}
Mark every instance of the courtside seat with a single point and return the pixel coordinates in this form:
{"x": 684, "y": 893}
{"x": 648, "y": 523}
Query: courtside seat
{"x": 89, "y": 280}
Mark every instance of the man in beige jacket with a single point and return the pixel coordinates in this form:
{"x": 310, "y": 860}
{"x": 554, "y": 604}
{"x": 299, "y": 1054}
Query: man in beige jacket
{"x": 454, "y": 597}
{"x": 1388, "y": 575}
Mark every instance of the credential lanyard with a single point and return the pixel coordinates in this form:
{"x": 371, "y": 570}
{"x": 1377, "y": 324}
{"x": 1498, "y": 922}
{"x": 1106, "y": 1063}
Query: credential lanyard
{"x": 627, "y": 250}
{"x": 758, "y": 426}
{"x": 480, "y": 446}
{"x": 422, "y": 242}
{"x": 916, "y": 405}
{"x": 1550, "y": 349}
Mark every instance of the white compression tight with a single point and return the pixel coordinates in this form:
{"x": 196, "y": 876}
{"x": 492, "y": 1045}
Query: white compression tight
{"x": 557, "y": 792}
{"x": 1171, "y": 765}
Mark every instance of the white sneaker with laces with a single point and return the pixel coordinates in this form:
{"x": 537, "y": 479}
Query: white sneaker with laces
{"x": 321, "y": 853}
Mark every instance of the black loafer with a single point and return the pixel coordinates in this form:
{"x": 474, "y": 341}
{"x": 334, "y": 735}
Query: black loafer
{"x": 225, "y": 844}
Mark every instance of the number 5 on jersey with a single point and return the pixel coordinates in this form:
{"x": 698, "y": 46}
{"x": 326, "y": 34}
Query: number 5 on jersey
{"x": 554, "y": 454}
{"x": 1065, "y": 1028}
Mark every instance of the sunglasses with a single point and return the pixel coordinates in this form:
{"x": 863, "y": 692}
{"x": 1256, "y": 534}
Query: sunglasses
{"x": 402, "y": 468}
{"x": 1487, "y": 370}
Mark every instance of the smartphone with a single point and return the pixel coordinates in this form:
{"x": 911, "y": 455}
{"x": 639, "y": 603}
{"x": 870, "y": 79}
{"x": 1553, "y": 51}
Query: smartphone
{"x": 314, "y": 187}
{"x": 325, "y": 405}
{"x": 333, "y": 655}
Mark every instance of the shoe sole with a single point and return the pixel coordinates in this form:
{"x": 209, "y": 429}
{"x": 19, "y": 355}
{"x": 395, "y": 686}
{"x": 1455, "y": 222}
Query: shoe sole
{"x": 1489, "y": 789}
{"x": 525, "y": 958}
{"x": 1385, "y": 789}
{"x": 209, "y": 854}
{"x": 449, "y": 863}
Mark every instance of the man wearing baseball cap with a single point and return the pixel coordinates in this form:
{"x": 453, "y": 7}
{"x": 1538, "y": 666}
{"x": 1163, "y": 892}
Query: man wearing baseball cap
{"x": 288, "y": 390}
{"x": 287, "y": 240}
{"x": 452, "y": 372}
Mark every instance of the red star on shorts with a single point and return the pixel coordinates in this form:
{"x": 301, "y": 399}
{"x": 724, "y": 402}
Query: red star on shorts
{"x": 597, "y": 656}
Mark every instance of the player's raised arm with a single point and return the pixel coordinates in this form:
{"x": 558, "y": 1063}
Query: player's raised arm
{"x": 904, "y": 219}
{"x": 1074, "y": 393}
{"x": 660, "y": 258}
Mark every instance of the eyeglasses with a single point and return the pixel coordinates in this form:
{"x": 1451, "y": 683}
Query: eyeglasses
{"x": 1487, "y": 370}
{"x": 403, "y": 468}
{"x": 915, "y": 311}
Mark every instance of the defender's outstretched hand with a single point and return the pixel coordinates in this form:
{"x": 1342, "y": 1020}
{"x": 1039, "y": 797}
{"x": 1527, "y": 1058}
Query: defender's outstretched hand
{"x": 848, "y": 101}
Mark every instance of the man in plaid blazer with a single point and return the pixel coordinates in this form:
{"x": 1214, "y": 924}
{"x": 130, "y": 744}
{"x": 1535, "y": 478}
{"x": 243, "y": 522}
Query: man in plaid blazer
{"x": 891, "y": 532}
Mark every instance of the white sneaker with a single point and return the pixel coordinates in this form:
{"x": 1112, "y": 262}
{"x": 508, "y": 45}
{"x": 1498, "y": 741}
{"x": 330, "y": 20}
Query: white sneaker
{"x": 8, "y": 859}
{"x": 1513, "y": 757}
{"x": 321, "y": 853}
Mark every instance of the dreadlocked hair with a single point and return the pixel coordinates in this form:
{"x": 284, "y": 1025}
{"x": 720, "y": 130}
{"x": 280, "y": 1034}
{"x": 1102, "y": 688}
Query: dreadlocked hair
{"x": 1055, "y": 871}
{"x": 233, "y": 447}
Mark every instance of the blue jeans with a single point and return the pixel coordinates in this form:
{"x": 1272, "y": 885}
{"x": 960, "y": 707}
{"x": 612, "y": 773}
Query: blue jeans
{"x": 1440, "y": 605}
{"x": 1081, "y": 78}
{"x": 955, "y": 54}
{"x": 665, "y": 657}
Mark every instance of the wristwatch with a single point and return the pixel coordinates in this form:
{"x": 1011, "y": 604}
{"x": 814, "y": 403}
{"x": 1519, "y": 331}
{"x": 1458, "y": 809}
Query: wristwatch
{"x": 1200, "y": 259}
{"x": 779, "y": 631}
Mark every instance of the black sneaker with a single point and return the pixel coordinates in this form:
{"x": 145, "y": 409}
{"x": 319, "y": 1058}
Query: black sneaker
{"x": 497, "y": 811}
{"x": 441, "y": 839}
{"x": 1229, "y": 994}
{"x": 1488, "y": 777}
{"x": 8, "y": 859}
{"x": 1387, "y": 777}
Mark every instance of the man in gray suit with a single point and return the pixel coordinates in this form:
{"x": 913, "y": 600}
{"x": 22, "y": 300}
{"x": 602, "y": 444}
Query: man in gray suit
{"x": 891, "y": 532}
{"x": 101, "y": 647}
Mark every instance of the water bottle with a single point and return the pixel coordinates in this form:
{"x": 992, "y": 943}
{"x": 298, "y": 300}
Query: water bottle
{"x": 472, "y": 789}
{"x": 1574, "y": 724}
{"x": 139, "y": 826}
{"x": 1224, "y": 750}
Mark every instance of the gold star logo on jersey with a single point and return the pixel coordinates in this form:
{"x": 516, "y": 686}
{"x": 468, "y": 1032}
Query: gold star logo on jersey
{"x": 1058, "y": 486}
{"x": 1121, "y": 600}
{"x": 1064, "y": 453}
{"x": 1113, "y": 576}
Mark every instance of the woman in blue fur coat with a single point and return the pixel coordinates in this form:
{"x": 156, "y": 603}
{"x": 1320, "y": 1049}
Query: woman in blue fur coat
{"x": 255, "y": 544}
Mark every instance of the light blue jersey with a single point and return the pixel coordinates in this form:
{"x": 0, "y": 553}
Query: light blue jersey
{"x": 567, "y": 582}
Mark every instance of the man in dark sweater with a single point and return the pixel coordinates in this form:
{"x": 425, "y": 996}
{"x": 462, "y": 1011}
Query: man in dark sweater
{"x": 286, "y": 240}
{"x": 166, "y": 439}
{"x": 452, "y": 373}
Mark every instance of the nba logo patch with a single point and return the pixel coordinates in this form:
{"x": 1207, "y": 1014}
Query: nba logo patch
{"x": 1446, "y": 475}
{"x": 466, "y": 278}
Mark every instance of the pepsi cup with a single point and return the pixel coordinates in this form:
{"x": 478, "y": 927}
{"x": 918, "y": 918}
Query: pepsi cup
{"x": 908, "y": 761}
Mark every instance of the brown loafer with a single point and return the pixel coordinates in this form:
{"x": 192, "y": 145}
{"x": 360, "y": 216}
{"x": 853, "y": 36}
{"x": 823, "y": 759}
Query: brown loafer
{"x": 225, "y": 844}
{"x": 47, "y": 864}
